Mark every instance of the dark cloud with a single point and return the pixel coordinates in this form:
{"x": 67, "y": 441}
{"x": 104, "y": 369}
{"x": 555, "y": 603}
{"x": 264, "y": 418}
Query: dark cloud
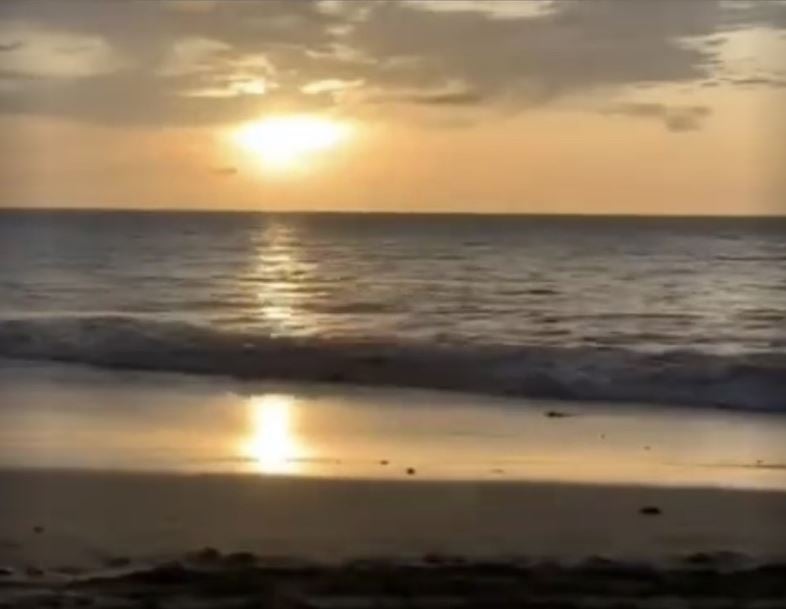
{"x": 675, "y": 118}
{"x": 185, "y": 62}
{"x": 766, "y": 81}
{"x": 449, "y": 99}
{"x": 7, "y": 47}
{"x": 576, "y": 47}
{"x": 135, "y": 98}
{"x": 458, "y": 98}
{"x": 755, "y": 13}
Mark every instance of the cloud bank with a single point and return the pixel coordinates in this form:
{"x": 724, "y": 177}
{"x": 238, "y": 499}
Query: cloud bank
{"x": 187, "y": 62}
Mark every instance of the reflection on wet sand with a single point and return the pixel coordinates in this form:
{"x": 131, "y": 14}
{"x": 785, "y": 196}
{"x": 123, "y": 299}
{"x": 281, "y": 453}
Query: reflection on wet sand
{"x": 176, "y": 423}
{"x": 273, "y": 444}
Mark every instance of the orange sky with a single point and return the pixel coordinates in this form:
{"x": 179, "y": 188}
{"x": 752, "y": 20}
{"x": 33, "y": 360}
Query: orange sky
{"x": 549, "y": 108}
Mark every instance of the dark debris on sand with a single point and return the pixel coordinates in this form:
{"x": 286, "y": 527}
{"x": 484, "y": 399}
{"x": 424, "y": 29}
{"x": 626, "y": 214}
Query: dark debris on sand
{"x": 557, "y": 414}
{"x": 650, "y": 510}
{"x": 208, "y": 578}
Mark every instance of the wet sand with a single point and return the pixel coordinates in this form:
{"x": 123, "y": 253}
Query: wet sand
{"x": 135, "y": 540}
{"x": 208, "y": 578}
{"x": 81, "y": 418}
{"x": 55, "y": 518}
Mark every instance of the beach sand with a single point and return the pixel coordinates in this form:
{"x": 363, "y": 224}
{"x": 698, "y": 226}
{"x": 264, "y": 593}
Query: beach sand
{"x": 114, "y": 539}
{"x": 49, "y": 519}
{"x": 110, "y": 482}
{"x": 87, "y": 419}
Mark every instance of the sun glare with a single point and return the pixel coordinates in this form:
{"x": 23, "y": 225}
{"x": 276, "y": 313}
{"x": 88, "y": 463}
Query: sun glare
{"x": 287, "y": 142}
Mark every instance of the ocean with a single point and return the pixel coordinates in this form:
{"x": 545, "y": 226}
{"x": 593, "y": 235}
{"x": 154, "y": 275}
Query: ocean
{"x": 679, "y": 311}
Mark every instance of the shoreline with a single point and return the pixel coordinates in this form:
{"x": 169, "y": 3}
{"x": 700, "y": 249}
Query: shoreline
{"x": 746, "y": 381}
{"x": 74, "y": 417}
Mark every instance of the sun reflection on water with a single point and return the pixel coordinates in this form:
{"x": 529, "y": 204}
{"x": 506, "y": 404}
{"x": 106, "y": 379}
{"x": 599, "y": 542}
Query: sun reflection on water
{"x": 273, "y": 444}
{"x": 280, "y": 271}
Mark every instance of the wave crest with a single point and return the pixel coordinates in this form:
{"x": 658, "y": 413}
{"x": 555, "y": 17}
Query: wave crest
{"x": 752, "y": 381}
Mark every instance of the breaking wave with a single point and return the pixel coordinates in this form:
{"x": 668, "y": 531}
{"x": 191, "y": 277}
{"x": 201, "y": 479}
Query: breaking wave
{"x": 686, "y": 377}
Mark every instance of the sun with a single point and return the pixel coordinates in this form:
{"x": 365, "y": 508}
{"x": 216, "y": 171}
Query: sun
{"x": 288, "y": 142}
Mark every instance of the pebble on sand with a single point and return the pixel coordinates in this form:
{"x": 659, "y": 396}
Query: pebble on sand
{"x": 410, "y": 471}
{"x": 69, "y": 570}
{"x": 650, "y": 510}
{"x": 206, "y": 555}
{"x": 699, "y": 558}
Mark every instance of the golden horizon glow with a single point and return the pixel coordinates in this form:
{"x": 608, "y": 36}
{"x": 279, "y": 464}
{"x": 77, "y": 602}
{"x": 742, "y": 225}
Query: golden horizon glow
{"x": 287, "y": 142}
{"x": 273, "y": 444}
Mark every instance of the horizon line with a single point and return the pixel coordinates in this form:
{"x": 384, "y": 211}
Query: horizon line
{"x": 375, "y": 212}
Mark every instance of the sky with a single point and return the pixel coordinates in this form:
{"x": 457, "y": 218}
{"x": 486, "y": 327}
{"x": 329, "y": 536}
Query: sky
{"x": 552, "y": 106}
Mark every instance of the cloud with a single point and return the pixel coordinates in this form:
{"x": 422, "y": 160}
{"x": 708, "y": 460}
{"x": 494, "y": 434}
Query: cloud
{"x": 232, "y": 88}
{"x": 675, "y": 118}
{"x": 575, "y": 48}
{"x": 460, "y": 98}
{"x": 10, "y": 46}
{"x": 191, "y": 6}
{"x": 447, "y": 98}
{"x": 766, "y": 81}
{"x": 9, "y": 85}
{"x": 330, "y": 85}
{"x": 39, "y": 52}
{"x": 192, "y": 55}
{"x": 493, "y": 9}
{"x": 755, "y": 13}
{"x": 195, "y": 61}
